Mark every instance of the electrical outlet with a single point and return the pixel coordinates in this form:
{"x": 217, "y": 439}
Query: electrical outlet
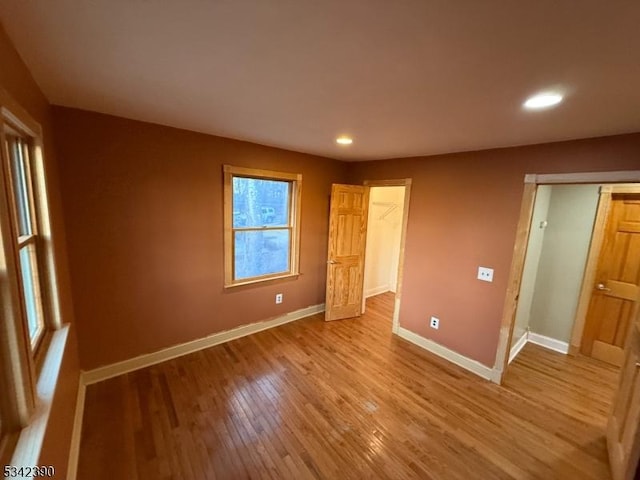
{"x": 485, "y": 274}
{"x": 278, "y": 298}
{"x": 435, "y": 323}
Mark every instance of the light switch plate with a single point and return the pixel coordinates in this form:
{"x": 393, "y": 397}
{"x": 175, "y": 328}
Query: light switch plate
{"x": 485, "y": 274}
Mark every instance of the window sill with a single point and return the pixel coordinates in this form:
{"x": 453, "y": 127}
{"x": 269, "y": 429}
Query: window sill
{"x": 27, "y": 451}
{"x": 41, "y": 351}
{"x": 264, "y": 281}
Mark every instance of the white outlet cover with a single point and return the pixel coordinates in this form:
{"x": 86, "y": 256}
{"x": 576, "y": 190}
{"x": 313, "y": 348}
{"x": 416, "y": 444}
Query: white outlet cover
{"x": 485, "y": 274}
{"x": 278, "y": 298}
{"x": 434, "y": 323}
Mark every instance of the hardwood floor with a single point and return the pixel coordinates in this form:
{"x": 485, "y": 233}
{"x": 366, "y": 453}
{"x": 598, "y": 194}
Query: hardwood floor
{"x": 342, "y": 400}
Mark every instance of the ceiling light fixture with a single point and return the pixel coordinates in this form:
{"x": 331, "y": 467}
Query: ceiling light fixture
{"x": 543, "y": 100}
{"x": 344, "y": 140}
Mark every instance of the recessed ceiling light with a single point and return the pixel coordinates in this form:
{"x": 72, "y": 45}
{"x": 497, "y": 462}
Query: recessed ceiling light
{"x": 344, "y": 140}
{"x": 543, "y": 100}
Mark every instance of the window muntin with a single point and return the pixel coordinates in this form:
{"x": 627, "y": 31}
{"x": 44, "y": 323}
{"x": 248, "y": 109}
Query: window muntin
{"x": 262, "y": 225}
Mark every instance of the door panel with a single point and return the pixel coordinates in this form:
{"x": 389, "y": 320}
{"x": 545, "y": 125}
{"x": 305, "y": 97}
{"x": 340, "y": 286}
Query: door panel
{"x": 345, "y": 258}
{"x": 617, "y": 290}
{"x": 623, "y": 439}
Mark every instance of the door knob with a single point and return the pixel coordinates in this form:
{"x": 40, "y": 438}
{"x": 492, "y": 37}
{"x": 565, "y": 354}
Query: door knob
{"x": 331, "y": 262}
{"x": 601, "y": 287}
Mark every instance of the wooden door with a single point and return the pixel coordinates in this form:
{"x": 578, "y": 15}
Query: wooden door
{"x": 345, "y": 259}
{"x": 614, "y": 299}
{"x": 623, "y": 434}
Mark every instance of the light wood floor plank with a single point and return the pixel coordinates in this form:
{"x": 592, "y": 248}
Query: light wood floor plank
{"x": 347, "y": 399}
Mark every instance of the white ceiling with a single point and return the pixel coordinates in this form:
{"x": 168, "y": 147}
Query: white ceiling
{"x": 404, "y": 77}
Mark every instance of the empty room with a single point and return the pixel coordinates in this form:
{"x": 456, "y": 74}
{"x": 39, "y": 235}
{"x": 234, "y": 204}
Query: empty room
{"x": 319, "y": 239}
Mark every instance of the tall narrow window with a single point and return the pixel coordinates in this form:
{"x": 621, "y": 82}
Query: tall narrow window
{"x": 262, "y": 210}
{"x": 26, "y": 230}
{"x": 30, "y": 347}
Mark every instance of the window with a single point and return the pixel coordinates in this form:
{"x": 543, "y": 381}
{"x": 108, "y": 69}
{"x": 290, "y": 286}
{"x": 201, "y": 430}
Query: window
{"x": 262, "y": 212}
{"x": 26, "y": 231}
{"x": 31, "y": 336}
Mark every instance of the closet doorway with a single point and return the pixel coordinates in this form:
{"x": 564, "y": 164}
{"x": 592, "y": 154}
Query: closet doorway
{"x": 385, "y": 226}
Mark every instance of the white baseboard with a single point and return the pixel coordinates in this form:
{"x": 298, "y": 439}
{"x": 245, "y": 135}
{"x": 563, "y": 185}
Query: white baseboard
{"x": 496, "y": 376}
{"x": 76, "y": 434}
{"x": 548, "y": 342}
{"x": 108, "y": 371}
{"x": 519, "y": 345}
{"x": 376, "y": 291}
{"x": 454, "y": 357}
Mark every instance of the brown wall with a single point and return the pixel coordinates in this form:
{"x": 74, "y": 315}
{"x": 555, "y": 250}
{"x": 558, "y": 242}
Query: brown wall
{"x": 144, "y": 224}
{"x": 16, "y": 79}
{"x": 463, "y": 213}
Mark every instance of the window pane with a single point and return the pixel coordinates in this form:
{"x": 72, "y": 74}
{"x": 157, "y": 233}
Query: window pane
{"x": 261, "y": 252}
{"x": 19, "y": 182}
{"x": 258, "y": 202}
{"x": 31, "y": 289}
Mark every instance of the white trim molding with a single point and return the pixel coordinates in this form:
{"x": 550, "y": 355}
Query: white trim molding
{"x": 376, "y": 291}
{"x": 76, "y": 433}
{"x": 119, "y": 368}
{"x": 454, "y": 357}
{"x": 519, "y": 345}
{"x": 548, "y": 342}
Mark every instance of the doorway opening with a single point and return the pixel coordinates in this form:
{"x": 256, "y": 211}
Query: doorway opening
{"x": 383, "y": 245}
{"x": 556, "y": 255}
{"x": 607, "y": 318}
{"x": 580, "y": 283}
{"x": 347, "y": 252}
{"x": 397, "y": 259}
{"x": 615, "y": 183}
